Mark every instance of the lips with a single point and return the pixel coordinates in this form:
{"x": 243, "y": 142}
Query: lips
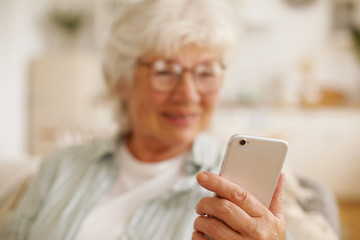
{"x": 181, "y": 118}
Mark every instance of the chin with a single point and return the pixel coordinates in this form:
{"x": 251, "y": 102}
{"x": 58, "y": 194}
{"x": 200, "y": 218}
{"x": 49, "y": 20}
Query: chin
{"x": 182, "y": 137}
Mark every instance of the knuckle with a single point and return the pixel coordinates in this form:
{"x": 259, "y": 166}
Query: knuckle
{"x": 225, "y": 208}
{"x": 202, "y": 201}
{"x": 196, "y": 235}
{"x": 198, "y": 206}
{"x": 261, "y": 234}
{"x": 196, "y": 223}
{"x": 199, "y": 223}
{"x": 201, "y": 206}
{"x": 271, "y": 230}
{"x": 212, "y": 226}
{"x": 207, "y": 225}
{"x": 254, "y": 229}
{"x": 239, "y": 196}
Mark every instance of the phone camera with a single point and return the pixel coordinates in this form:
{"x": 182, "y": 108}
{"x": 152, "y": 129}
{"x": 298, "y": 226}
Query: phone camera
{"x": 242, "y": 142}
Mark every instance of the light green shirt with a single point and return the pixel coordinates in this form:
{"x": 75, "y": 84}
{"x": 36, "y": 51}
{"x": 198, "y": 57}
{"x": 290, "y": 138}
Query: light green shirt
{"x": 72, "y": 181}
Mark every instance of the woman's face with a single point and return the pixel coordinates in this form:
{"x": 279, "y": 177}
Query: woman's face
{"x": 170, "y": 119}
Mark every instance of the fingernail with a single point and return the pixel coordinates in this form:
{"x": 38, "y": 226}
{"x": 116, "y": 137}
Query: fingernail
{"x": 202, "y": 177}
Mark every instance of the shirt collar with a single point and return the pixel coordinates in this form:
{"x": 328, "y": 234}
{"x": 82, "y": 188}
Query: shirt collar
{"x": 204, "y": 155}
{"x": 108, "y": 148}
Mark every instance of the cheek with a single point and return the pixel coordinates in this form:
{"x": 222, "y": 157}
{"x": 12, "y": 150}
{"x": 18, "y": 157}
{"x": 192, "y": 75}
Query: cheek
{"x": 153, "y": 102}
{"x": 209, "y": 104}
{"x": 156, "y": 100}
{"x": 150, "y": 106}
{"x": 143, "y": 99}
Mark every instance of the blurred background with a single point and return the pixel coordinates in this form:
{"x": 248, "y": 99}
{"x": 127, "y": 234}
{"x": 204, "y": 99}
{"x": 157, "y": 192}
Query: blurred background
{"x": 296, "y": 76}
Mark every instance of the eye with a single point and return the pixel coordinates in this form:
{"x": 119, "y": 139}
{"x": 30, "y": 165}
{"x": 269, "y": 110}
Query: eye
{"x": 204, "y": 71}
{"x": 206, "y": 74}
{"x": 162, "y": 72}
{"x": 163, "y": 68}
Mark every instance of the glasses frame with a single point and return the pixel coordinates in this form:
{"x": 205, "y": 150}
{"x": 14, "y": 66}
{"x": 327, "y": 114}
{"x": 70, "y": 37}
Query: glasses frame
{"x": 181, "y": 74}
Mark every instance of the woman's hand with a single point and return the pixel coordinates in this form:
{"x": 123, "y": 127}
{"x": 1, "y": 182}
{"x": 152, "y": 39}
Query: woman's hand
{"x": 237, "y": 214}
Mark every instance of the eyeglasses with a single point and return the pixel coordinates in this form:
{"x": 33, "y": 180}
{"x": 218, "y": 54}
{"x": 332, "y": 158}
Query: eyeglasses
{"x": 166, "y": 75}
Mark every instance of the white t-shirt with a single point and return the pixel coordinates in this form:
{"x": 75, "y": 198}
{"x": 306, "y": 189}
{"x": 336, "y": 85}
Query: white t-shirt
{"x": 138, "y": 182}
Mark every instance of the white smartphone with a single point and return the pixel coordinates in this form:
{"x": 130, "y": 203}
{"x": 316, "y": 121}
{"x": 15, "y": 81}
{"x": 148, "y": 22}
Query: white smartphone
{"x": 255, "y": 164}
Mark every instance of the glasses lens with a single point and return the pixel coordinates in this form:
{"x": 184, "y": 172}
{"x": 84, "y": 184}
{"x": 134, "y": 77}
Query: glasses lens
{"x": 208, "y": 76}
{"x": 164, "y": 77}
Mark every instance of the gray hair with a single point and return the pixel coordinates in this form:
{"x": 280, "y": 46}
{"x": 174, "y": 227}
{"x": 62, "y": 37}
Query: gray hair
{"x": 162, "y": 26}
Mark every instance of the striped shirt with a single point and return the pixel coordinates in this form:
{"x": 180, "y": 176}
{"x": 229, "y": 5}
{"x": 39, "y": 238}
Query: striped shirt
{"x": 72, "y": 181}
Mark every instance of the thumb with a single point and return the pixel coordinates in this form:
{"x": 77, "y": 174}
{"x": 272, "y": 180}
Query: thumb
{"x": 276, "y": 202}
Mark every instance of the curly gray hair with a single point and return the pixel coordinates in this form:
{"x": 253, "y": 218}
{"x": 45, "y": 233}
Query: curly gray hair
{"x": 162, "y": 26}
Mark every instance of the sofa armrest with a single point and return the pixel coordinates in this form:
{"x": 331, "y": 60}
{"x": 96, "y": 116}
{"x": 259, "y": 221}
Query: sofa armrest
{"x": 324, "y": 201}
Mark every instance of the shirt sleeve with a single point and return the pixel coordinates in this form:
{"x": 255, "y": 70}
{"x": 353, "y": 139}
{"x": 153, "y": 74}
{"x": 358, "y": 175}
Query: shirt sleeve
{"x": 18, "y": 222}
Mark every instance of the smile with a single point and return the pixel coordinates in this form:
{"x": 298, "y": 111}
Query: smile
{"x": 181, "y": 119}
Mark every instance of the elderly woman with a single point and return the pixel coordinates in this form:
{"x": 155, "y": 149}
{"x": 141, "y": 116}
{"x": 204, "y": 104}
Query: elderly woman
{"x": 164, "y": 65}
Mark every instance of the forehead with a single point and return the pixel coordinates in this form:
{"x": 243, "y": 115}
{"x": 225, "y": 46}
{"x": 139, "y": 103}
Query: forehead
{"x": 187, "y": 55}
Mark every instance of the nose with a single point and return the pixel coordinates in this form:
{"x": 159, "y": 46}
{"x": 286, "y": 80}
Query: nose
{"x": 186, "y": 91}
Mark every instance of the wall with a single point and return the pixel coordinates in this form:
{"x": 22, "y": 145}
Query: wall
{"x": 20, "y": 40}
{"x": 323, "y": 143}
{"x": 278, "y": 39}
{"x": 276, "y": 42}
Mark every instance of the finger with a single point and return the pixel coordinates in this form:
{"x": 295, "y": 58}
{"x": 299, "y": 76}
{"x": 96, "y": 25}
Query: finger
{"x": 215, "y": 229}
{"x": 198, "y": 236}
{"x": 276, "y": 202}
{"x": 228, "y": 212}
{"x": 231, "y": 191}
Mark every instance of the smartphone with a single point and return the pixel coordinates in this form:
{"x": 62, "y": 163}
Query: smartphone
{"x": 255, "y": 164}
